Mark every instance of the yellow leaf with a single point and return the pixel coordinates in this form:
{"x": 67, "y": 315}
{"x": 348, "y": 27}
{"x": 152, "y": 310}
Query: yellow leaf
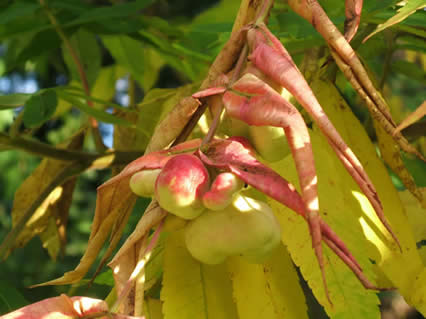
{"x": 250, "y": 290}
{"x": 104, "y": 87}
{"x": 271, "y": 290}
{"x": 339, "y": 209}
{"x": 51, "y": 205}
{"x": 284, "y": 286}
{"x": 50, "y": 239}
{"x": 418, "y": 297}
{"x": 109, "y": 207}
{"x": 415, "y": 213}
{"x": 153, "y": 309}
{"x": 191, "y": 289}
{"x": 381, "y": 248}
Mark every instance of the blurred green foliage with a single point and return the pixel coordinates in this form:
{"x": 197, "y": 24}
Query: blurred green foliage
{"x": 154, "y": 44}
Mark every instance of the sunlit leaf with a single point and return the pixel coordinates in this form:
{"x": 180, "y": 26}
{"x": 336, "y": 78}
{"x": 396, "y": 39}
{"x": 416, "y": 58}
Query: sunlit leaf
{"x": 250, "y": 290}
{"x": 104, "y": 86}
{"x": 288, "y": 299}
{"x": 416, "y": 217}
{"x": 382, "y": 250}
{"x": 54, "y": 206}
{"x": 407, "y": 9}
{"x": 141, "y": 61}
{"x": 191, "y": 289}
{"x": 340, "y": 211}
{"x": 271, "y": 290}
{"x": 153, "y": 309}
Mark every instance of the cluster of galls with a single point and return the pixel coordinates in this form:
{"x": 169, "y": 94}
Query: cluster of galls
{"x": 223, "y": 222}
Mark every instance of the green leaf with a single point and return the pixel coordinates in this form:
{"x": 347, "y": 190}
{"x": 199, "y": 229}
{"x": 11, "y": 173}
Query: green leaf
{"x": 191, "y": 289}
{"x": 105, "y": 278}
{"x": 111, "y": 12}
{"x": 135, "y": 57}
{"x": 12, "y": 101}
{"x": 409, "y": 69}
{"x": 98, "y": 114}
{"x": 88, "y": 52}
{"x": 408, "y": 8}
{"x": 10, "y": 297}
{"x": 17, "y": 10}
{"x": 39, "y": 108}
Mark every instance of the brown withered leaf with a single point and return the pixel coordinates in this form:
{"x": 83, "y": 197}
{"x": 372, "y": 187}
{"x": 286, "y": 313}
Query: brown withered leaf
{"x": 54, "y": 206}
{"x": 111, "y": 203}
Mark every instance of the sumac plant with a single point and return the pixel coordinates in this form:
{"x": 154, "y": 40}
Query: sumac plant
{"x": 261, "y": 175}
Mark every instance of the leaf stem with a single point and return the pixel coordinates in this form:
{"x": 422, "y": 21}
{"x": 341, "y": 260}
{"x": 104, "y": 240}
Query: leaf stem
{"x": 82, "y": 74}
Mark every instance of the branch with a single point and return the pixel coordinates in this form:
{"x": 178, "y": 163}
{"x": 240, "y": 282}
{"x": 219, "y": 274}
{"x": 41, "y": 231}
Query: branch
{"x": 92, "y": 160}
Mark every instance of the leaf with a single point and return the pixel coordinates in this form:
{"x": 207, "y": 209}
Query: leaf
{"x": 62, "y": 307}
{"x": 45, "y": 195}
{"x": 104, "y": 86}
{"x": 271, "y": 290}
{"x": 86, "y": 48}
{"x": 250, "y": 290}
{"x": 114, "y": 200}
{"x": 110, "y": 13}
{"x": 410, "y": 70}
{"x": 10, "y": 297}
{"x": 417, "y": 115}
{"x": 39, "y": 108}
{"x": 191, "y": 289}
{"x": 12, "y": 101}
{"x": 157, "y": 105}
{"x": 101, "y": 228}
{"x": 105, "y": 278}
{"x": 284, "y": 285}
{"x": 98, "y": 114}
{"x": 416, "y": 215}
{"x": 408, "y": 8}
{"x": 141, "y": 61}
{"x": 17, "y": 10}
{"x": 173, "y": 123}
{"x": 153, "y": 309}
{"x": 383, "y": 251}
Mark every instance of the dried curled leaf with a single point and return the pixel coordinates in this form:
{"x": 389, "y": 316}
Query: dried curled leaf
{"x": 46, "y": 195}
